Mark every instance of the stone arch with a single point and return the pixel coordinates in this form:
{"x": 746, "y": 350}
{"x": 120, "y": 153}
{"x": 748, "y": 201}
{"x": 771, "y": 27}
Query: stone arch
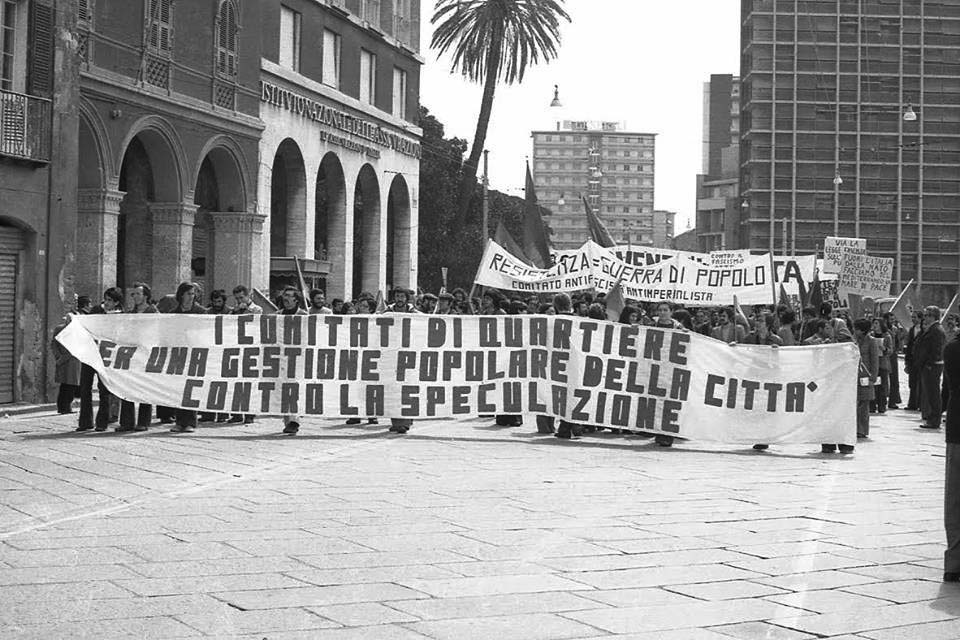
{"x": 366, "y": 232}
{"x": 95, "y": 162}
{"x": 228, "y": 163}
{"x": 288, "y": 201}
{"x": 165, "y": 151}
{"x": 330, "y": 220}
{"x": 398, "y": 259}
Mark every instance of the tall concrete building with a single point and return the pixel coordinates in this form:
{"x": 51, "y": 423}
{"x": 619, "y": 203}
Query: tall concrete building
{"x": 603, "y": 162}
{"x": 851, "y": 127}
{"x": 663, "y": 228}
{"x": 718, "y": 186}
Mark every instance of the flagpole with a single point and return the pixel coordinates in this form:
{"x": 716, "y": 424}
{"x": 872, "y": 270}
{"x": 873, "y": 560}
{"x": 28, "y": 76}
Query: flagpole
{"x": 486, "y": 197}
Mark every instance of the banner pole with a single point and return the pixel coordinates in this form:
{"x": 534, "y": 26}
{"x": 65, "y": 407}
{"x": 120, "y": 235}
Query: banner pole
{"x": 773, "y": 280}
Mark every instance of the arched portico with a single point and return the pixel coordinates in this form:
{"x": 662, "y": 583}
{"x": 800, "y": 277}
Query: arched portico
{"x": 330, "y": 220}
{"x": 398, "y": 258}
{"x": 366, "y": 232}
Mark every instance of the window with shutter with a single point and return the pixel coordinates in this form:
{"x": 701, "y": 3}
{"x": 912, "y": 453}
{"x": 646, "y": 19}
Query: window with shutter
{"x": 40, "y": 75}
{"x": 227, "y": 39}
{"x": 160, "y": 26}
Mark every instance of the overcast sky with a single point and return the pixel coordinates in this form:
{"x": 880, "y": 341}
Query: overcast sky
{"x": 639, "y": 61}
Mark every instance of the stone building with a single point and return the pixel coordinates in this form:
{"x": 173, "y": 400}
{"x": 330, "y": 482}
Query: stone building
{"x": 38, "y": 146}
{"x": 340, "y": 153}
{"x": 203, "y": 140}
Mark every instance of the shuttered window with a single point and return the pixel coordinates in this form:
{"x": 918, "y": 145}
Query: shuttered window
{"x": 227, "y": 39}
{"x": 40, "y": 75}
{"x": 84, "y": 11}
{"x": 160, "y": 26}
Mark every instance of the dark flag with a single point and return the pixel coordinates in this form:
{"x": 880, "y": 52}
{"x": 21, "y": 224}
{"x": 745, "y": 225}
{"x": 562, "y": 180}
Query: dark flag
{"x": 536, "y": 245}
{"x": 816, "y": 293}
{"x": 598, "y": 231}
{"x": 503, "y": 238}
{"x": 784, "y": 298}
{"x": 804, "y": 294}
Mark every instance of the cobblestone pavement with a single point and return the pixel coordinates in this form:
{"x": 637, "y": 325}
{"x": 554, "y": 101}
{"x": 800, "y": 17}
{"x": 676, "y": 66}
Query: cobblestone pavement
{"x": 462, "y": 530}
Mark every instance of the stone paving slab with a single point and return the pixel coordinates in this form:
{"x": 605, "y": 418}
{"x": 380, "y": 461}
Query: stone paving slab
{"x": 463, "y": 530}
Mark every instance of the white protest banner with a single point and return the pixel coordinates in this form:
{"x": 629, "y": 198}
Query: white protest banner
{"x": 425, "y": 366}
{"x": 866, "y": 276}
{"x": 790, "y": 270}
{"x": 649, "y": 256}
{"x": 834, "y": 248}
{"x": 572, "y": 271}
{"x": 685, "y": 281}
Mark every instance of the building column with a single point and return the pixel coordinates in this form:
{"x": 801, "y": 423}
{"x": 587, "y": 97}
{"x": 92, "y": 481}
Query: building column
{"x": 172, "y": 243}
{"x": 238, "y": 250}
{"x": 98, "y": 214}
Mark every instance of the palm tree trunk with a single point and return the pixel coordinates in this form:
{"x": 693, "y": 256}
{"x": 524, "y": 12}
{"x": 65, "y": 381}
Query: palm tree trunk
{"x": 468, "y": 183}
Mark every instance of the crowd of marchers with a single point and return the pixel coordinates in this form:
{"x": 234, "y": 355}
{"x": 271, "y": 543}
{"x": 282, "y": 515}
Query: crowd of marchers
{"x": 881, "y": 341}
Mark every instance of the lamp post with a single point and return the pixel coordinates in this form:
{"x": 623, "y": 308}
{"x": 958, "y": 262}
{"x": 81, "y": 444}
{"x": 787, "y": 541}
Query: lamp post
{"x": 485, "y": 207}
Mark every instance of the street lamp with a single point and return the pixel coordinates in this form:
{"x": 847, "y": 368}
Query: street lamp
{"x": 556, "y": 98}
{"x": 837, "y": 180}
{"x": 909, "y": 115}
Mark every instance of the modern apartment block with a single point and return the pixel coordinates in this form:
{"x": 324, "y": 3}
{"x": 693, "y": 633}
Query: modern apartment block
{"x": 606, "y": 164}
{"x": 851, "y": 127}
{"x": 718, "y": 186}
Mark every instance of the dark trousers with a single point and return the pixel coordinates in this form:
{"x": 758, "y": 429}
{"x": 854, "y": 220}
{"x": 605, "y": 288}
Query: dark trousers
{"x": 930, "y": 394}
{"x": 509, "y": 421}
{"x": 951, "y": 509}
{"x": 65, "y": 396}
{"x": 894, "y": 398}
{"x": 544, "y": 424}
{"x": 86, "y": 399}
{"x": 166, "y": 414}
{"x": 863, "y": 417}
{"x": 142, "y": 415}
{"x": 913, "y": 380}
{"x": 880, "y": 392}
{"x": 185, "y": 418}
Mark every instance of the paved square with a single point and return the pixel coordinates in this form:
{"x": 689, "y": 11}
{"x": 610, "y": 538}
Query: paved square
{"x": 463, "y": 530}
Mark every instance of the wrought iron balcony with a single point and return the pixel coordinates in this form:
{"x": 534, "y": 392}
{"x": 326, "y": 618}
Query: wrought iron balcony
{"x": 24, "y": 127}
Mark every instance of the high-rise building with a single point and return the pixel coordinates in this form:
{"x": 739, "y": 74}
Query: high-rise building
{"x": 606, "y": 164}
{"x": 850, "y": 127}
{"x": 718, "y": 186}
{"x": 663, "y": 227}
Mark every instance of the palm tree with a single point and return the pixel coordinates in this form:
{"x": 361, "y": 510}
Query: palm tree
{"x": 493, "y": 41}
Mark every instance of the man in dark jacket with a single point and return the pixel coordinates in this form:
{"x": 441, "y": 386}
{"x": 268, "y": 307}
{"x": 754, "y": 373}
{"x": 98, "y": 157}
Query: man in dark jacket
{"x": 951, "y": 497}
{"x": 913, "y": 375}
{"x": 928, "y": 360}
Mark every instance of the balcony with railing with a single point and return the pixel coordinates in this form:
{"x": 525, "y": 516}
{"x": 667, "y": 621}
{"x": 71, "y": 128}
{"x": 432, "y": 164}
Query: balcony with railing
{"x": 24, "y": 127}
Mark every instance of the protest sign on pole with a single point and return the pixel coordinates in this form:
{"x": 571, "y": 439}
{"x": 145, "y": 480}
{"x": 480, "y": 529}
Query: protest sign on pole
{"x": 834, "y": 248}
{"x": 422, "y": 366}
{"x": 865, "y": 276}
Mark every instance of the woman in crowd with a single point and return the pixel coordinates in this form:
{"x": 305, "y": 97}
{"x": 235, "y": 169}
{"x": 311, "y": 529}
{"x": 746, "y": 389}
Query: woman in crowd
{"x": 186, "y": 419}
{"x": 881, "y": 333}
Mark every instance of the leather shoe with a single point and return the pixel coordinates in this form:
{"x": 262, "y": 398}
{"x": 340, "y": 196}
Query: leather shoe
{"x": 845, "y": 448}
{"x": 828, "y": 448}
{"x": 951, "y": 577}
{"x": 761, "y": 447}
{"x": 291, "y": 428}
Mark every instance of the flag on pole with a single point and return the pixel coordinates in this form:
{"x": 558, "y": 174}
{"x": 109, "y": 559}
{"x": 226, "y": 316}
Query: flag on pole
{"x": 380, "y": 306}
{"x": 804, "y": 294}
{"x": 784, "y": 298}
{"x": 503, "y": 238}
{"x": 816, "y": 294}
{"x": 855, "y": 302}
{"x": 953, "y": 307}
{"x": 598, "y": 231}
{"x": 615, "y": 302}
{"x": 536, "y": 245}
{"x": 738, "y": 312}
{"x": 303, "y": 284}
{"x": 902, "y": 306}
